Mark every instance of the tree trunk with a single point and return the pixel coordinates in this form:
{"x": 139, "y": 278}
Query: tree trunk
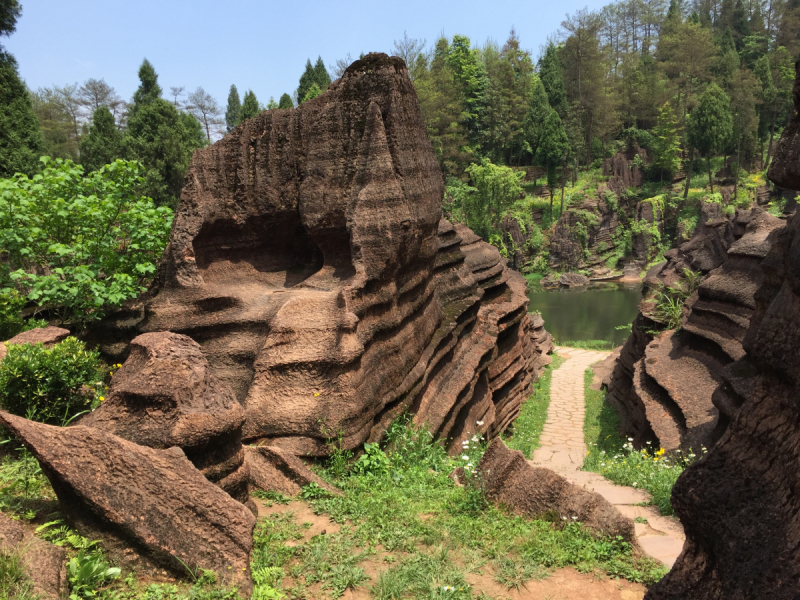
{"x": 688, "y": 174}
{"x": 710, "y": 178}
{"x": 551, "y": 205}
{"x": 771, "y": 135}
{"x": 736, "y": 172}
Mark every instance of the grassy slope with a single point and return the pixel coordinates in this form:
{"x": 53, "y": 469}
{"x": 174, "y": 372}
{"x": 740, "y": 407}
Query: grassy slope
{"x": 526, "y": 429}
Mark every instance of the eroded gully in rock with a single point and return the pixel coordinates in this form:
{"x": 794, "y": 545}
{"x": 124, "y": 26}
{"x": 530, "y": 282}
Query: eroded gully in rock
{"x": 563, "y": 449}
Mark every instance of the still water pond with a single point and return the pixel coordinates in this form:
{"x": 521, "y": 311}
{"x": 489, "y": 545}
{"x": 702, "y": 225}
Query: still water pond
{"x": 589, "y": 313}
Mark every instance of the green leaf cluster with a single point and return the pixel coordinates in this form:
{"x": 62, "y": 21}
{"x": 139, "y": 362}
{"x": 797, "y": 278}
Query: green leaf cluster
{"x": 49, "y": 385}
{"x": 79, "y": 244}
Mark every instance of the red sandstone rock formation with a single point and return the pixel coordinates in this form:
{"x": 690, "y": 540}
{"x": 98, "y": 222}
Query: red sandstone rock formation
{"x": 309, "y": 262}
{"x": 42, "y": 562}
{"x": 149, "y": 506}
{"x": 510, "y": 480}
{"x": 664, "y": 387}
{"x": 164, "y": 395}
{"x": 740, "y": 505}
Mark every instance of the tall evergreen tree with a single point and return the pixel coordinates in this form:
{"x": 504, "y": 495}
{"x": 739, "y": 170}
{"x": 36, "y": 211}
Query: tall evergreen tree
{"x": 161, "y": 138}
{"x": 710, "y": 125}
{"x": 102, "y": 143}
{"x": 307, "y": 79}
{"x": 553, "y": 147}
{"x": 250, "y": 106}
{"x": 233, "y": 112}
{"x": 20, "y": 138}
{"x": 538, "y": 109}
{"x": 552, "y": 75}
{"x": 321, "y": 76}
{"x": 666, "y": 142}
{"x": 470, "y": 73}
{"x": 285, "y": 102}
{"x": 148, "y": 89}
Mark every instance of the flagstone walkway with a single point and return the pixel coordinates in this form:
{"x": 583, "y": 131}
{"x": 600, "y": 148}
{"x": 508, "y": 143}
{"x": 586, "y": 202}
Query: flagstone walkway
{"x": 563, "y": 449}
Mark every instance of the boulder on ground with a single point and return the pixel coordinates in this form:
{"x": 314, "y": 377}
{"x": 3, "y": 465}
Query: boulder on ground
{"x": 43, "y": 562}
{"x": 150, "y": 508}
{"x": 165, "y": 395}
{"x": 272, "y": 469}
{"x": 510, "y": 480}
{"x": 573, "y": 280}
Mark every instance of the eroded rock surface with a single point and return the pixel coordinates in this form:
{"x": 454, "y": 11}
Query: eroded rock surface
{"x": 148, "y": 506}
{"x": 511, "y": 481}
{"x": 165, "y": 395}
{"x": 43, "y": 562}
{"x": 740, "y": 505}
{"x": 664, "y": 387}
{"x": 309, "y": 261}
{"x": 275, "y": 470}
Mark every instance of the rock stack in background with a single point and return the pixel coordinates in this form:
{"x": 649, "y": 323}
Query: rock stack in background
{"x": 663, "y": 385}
{"x": 308, "y": 260}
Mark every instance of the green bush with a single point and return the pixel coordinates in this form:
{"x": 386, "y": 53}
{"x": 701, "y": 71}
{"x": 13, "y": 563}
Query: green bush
{"x": 78, "y": 244}
{"x": 11, "y": 321}
{"x": 47, "y": 384}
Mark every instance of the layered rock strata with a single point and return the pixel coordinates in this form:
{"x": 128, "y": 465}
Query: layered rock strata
{"x": 150, "y": 508}
{"x": 663, "y": 385}
{"x": 164, "y": 395}
{"x": 308, "y": 260}
{"x": 740, "y": 505}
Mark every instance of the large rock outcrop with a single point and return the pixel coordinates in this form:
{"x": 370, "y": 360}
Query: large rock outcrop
{"x": 165, "y": 395}
{"x": 149, "y": 507}
{"x": 740, "y": 505}
{"x": 663, "y": 385}
{"x": 308, "y": 260}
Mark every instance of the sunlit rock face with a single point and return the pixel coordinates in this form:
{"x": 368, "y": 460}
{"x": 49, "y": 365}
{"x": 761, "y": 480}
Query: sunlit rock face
{"x": 309, "y": 261}
{"x": 740, "y": 505}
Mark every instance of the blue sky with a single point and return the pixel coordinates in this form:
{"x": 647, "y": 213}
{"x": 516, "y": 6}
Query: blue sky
{"x": 262, "y": 46}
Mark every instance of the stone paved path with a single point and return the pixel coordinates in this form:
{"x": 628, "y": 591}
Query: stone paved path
{"x": 563, "y": 449}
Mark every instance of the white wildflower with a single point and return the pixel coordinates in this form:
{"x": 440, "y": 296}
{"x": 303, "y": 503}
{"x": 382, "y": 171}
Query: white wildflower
{"x": 465, "y": 457}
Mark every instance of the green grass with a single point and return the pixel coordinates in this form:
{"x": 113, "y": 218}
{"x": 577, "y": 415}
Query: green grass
{"x": 14, "y": 582}
{"x": 616, "y": 459}
{"x": 427, "y": 533}
{"x": 526, "y": 429}
{"x": 589, "y": 344}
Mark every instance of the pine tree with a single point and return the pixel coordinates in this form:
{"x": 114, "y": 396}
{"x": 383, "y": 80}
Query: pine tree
{"x": 552, "y": 75}
{"x": 321, "y": 76}
{"x": 307, "y": 79}
{"x": 312, "y": 92}
{"x": 148, "y": 89}
{"x": 285, "y": 102}
{"x": 20, "y": 138}
{"x": 233, "y": 113}
{"x": 710, "y": 125}
{"x": 161, "y": 138}
{"x": 666, "y": 143}
{"x": 538, "y": 109}
{"x": 553, "y": 146}
{"x": 272, "y": 104}
{"x": 250, "y": 106}
{"x": 102, "y": 143}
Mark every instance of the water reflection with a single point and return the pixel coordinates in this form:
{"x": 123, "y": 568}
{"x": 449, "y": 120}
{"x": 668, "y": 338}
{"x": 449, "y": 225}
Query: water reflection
{"x": 589, "y": 313}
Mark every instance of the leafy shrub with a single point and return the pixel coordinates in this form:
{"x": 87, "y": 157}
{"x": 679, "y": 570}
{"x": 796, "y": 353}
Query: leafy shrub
{"x": 77, "y": 244}
{"x": 86, "y": 572}
{"x": 44, "y": 384}
{"x": 373, "y": 462}
{"x": 11, "y": 321}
